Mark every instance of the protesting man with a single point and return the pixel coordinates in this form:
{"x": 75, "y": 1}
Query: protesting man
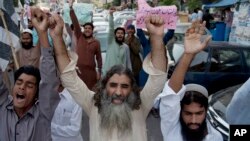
{"x": 117, "y": 111}
{"x": 183, "y": 108}
{"x": 87, "y": 48}
{"x": 28, "y": 54}
{"x": 23, "y": 117}
{"x": 135, "y": 47}
{"x": 117, "y": 51}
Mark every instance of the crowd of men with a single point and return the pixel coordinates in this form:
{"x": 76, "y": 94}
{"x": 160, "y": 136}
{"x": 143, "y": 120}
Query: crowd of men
{"x": 54, "y": 84}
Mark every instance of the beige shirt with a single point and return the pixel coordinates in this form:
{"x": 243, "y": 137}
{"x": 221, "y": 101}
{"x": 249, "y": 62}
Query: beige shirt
{"x": 29, "y": 56}
{"x": 84, "y": 97}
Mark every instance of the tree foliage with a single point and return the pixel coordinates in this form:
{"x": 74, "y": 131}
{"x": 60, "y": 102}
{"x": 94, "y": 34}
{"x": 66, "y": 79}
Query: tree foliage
{"x": 192, "y": 4}
{"x": 169, "y": 2}
{"x": 116, "y": 2}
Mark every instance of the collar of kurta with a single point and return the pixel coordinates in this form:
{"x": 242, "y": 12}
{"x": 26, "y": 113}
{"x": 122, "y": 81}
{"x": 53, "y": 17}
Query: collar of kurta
{"x": 31, "y": 111}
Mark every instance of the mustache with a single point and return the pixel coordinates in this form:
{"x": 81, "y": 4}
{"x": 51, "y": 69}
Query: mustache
{"x": 119, "y": 97}
{"x": 189, "y": 124}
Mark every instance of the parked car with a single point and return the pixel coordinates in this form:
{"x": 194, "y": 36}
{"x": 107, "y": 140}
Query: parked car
{"x": 217, "y": 104}
{"x": 219, "y": 66}
{"x": 101, "y": 26}
{"x": 99, "y": 19}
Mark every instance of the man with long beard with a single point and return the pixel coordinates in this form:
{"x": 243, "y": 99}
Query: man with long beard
{"x": 28, "y": 54}
{"x": 117, "y": 51}
{"x": 117, "y": 110}
{"x": 183, "y": 108}
{"x": 88, "y": 49}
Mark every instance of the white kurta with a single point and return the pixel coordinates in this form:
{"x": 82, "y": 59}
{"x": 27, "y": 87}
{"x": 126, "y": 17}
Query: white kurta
{"x": 67, "y": 119}
{"x": 84, "y": 97}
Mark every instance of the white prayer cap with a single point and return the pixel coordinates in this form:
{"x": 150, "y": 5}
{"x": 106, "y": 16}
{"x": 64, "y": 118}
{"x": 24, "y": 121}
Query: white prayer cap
{"x": 27, "y": 31}
{"x": 197, "y": 88}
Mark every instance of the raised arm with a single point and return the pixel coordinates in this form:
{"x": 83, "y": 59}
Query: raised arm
{"x": 111, "y": 35}
{"x": 155, "y": 64}
{"x": 70, "y": 80}
{"x": 77, "y": 28}
{"x": 48, "y": 96}
{"x": 142, "y": 37}
{"x": 192, "y": 45}
{"x": 155, "y": 27}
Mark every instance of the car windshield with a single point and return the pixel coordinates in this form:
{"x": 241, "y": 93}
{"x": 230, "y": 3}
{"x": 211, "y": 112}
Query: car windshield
{"x": 221, "y": 99}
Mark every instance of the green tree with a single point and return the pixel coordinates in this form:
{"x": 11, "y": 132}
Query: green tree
{"x": 169, "y": 2}
{"x": 116, "y": 2}
{"x": 192, "y": 4}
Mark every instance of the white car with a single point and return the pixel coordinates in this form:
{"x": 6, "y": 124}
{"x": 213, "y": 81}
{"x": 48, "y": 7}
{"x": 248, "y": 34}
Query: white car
{"x": 99, "y": 19}
{"x": 101, "y": 27}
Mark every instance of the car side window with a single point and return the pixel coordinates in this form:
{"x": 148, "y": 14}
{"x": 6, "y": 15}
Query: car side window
{"x": 226, "y": 60}
{"x": 199, "y": 63}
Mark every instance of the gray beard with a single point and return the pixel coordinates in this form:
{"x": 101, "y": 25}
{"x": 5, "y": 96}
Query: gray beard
{"x": 116, "y": 116}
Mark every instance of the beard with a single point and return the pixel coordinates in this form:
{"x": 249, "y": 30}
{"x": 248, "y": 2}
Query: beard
{"x": 193, "y": 134}
{"x": 87, "y": 37}
{"x": 27, "y": 46}
{"x": 116, "y": 116}
{"x": 120, "y": 42}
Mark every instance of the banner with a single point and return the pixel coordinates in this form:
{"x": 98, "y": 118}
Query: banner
{"x": 168, "y": 13}
{"x": 240, "y": 30}
{"x": 83, "y": 12}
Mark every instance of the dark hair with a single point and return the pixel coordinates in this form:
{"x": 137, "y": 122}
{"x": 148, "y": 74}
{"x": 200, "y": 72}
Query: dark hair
{"x": 101, "y": 85}
{"x": 194, "y": 96}
{"x": 29, "y": 70}
{"x": 90, "y": 24}
{"x": 120, "y": 28}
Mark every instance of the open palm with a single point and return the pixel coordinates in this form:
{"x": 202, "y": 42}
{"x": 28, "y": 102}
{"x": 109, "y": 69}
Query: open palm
{"x": 192, "y": 41}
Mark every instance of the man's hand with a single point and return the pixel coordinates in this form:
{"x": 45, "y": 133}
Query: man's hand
{"x": 56, "y": 26}
{"x": 112, "y": 10}
{"x": 155, "y": 25}
{"x": 192, "y": 42}
{"x": 71, "y": 3}
{"x": 40, "y": 20}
